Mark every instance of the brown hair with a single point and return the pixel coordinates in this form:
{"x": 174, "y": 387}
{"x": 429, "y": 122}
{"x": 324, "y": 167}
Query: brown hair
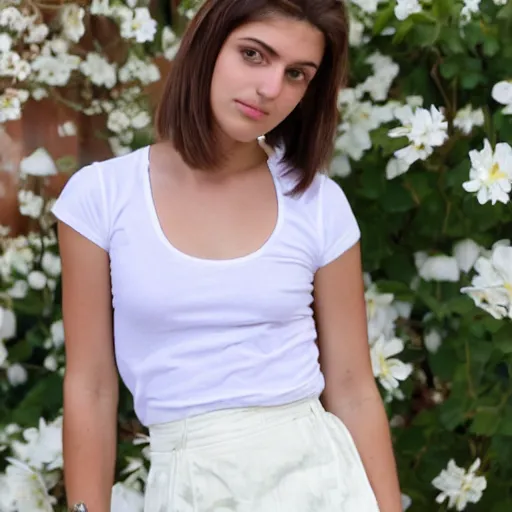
{"x": 184, "y": 114}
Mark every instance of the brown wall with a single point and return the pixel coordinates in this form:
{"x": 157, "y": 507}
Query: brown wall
{"x": 38, "y": 128}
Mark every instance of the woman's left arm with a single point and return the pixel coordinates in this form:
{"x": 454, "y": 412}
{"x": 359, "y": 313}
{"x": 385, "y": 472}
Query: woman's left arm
{"x": 351, "y": 392}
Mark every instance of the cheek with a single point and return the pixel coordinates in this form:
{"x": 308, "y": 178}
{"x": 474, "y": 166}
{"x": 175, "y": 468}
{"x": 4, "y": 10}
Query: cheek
{"x": 227, "y": 75}
{"x": 289, "y": 100}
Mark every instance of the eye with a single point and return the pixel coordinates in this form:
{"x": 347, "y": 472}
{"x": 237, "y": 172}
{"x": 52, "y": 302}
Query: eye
{"x": 296, "y": 75}
{"x": 252, "y": 55}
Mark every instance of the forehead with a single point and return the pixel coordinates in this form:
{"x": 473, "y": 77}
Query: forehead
{"x": 293, "y": 40}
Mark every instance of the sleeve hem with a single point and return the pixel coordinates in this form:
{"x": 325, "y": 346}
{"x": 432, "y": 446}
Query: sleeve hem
{"x": 79, "y": 227}
{"x": 343, "y": 245}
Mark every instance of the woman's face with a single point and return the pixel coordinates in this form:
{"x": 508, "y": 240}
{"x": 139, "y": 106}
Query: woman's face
{"x": 261, "y": 74}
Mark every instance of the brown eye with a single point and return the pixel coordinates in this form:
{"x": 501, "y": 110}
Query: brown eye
{"x": 296, "y": 75}
{"x": 252, "y": 55}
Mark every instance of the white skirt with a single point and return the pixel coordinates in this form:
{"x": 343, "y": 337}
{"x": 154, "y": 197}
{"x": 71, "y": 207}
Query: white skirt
{"x": 291, "y": 458}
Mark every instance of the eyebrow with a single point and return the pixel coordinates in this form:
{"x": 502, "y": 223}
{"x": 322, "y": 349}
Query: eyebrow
{"x": 273, "y": 52}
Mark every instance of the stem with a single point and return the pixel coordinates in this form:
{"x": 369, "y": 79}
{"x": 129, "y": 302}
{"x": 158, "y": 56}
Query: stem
{"x": 471, "y": 390}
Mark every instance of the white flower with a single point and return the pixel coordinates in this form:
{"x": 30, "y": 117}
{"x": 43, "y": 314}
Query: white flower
{"x": 140, "y": 120}
{"x": 425, "y": 130}
{"x": 340, "y": 166}
{"x": 3, "y": 354}
{"x": 36, "y": 280}
{"x": 432, "y": 340}
{"x": 101, "y": 7}
{"x": 41, "y": 447}
{"x": 385, "y": 71}
{"x": 404, "y": 8}
{"x": 387, "y": 369}
{"x": 26, "y": 488}
{"x": 99, "y": 70}
{"x": 50, "y": 363}
{"x": 11, "y": 64}
{"x": 67, "y": 129}
{"x": 356, "y": 33}
{"x": 57, "y": 333}
{"x": 406, "y": 502}
{"x": 467, "y": 118}
{"x": 126, "y": 499}
{"x": 118, "y": 121}
{"x": 18, "y": 290}
{"x": 470, "y": 7}
{"x": 459, "y": 486}
{"x": 51, "y": 264}
{"x": 12, "y": 19}
{"x": 170, "y": 43}
{"x": 359, "y": 119}
{"x": 16, "y": 375}
{"x": 117, "y": 147}
{"x": 502, "y": 93}
{"x": 369, "y": 6}
{"x": 7, "y": 324}
{"x": 491, "y": 173}
{"x": 466, "y": 252}
{"x": 10, "y": 106}
{"x": 55, "y": 71}
{"x": 30, "y": 204}
{"x": 396, "y": 167}
{"x": 380, "y": 313}
{"x": 439, "y": 268}
{"x": 71, "y": 18}
{"x": 39, "y": 93}
{"x": 5, "y": 42}
{"x": 139, "y": 26}
{"x": 37, "y": 33}
{"x": 136, "y": 69}
{"x": 491, "y": 289}
{"x": 39, "y": 163}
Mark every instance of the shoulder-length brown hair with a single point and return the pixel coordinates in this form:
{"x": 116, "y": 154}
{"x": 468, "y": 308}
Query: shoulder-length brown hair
{"x": 307, "y": 135}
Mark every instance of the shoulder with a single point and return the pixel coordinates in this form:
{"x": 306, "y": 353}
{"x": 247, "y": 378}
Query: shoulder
{"x": 119, "y": 168}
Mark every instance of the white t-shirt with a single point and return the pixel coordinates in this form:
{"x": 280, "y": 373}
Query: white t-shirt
{"x": 194, "y": 335}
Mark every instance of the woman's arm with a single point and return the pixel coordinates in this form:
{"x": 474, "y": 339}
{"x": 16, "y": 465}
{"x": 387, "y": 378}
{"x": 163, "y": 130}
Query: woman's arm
{"x": 350, "y": 391}
{"x": 90, "y": 382}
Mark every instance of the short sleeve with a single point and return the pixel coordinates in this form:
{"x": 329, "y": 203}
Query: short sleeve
{"x": 338, "y": 228}
{"x": 82, "y": 206}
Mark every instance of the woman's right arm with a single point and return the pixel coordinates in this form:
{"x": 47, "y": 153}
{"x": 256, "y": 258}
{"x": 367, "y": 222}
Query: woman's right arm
{"x": 91, "y": 381}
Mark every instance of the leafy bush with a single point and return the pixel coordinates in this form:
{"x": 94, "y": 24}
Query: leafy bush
{"x": 424, "y": 156}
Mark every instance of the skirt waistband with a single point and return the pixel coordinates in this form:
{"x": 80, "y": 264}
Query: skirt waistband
{"x": 226, "y": 425}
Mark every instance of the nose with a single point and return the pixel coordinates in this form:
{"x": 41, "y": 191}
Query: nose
{"x": 272, "y": 81}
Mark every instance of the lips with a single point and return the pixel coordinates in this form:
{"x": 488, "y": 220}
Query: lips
{"x": 251, "y": 110}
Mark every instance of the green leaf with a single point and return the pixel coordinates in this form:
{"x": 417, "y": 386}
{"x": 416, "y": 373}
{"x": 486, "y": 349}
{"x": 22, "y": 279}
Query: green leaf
{"x": 383, "y": 19}
{"x": 67, "y": 164}
{"x": 452, "y": 413}
{"x": 44, "y": 397}
{"x": 396, "y": 198}
{"x": 505, "y": 427}
{"x": 450, "y": 68}
{"x": 400, "y": 290}
{"x": 471, "y": 79}
{"x": 403, "y": 29}
{"x": 503, "y": 339}
{"x": 485, "y": 422}
{"x": 427, "y": 35}
{"x": 441, "y": 9}
{"x": 491, "y": 46}
{"x": 373, "y": 183}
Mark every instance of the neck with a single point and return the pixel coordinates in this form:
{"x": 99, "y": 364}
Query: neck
{"x": 240, "y": 156}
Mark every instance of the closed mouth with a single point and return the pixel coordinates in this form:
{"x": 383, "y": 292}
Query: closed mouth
{"x": 257, "y": 109}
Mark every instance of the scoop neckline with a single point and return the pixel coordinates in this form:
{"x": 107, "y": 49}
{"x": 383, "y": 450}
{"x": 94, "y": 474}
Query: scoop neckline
{"x": 157, "y": 226}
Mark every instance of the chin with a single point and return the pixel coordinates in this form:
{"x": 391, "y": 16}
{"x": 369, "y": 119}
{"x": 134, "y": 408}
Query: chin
{"x": 241, "y": 132}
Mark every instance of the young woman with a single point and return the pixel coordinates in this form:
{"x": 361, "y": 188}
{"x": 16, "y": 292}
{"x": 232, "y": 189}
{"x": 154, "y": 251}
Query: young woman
{"x": 221, "y": 277}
